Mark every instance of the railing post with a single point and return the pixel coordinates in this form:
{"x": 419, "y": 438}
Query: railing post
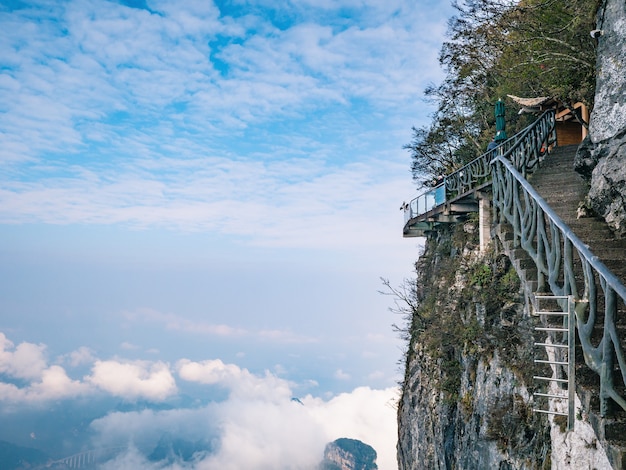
{"x": 606, "y": 376}
{"x": 540, "y": 262}
{"x": 571, "y": 359}
{"x": 484, "y": 220}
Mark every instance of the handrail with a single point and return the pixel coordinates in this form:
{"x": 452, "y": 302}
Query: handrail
{"x": 564, "y": 264}
{"x": 425, "y": 202}
{"x": 556, "y": 251}
{"x": 583, "y": 249}
{"x": 457, "y": 182}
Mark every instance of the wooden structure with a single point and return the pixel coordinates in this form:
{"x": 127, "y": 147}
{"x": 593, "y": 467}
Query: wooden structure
{"x": 569, "y": 119}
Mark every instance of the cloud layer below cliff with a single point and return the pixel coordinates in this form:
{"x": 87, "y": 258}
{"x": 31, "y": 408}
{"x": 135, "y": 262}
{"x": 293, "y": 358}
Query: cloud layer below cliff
{"x": 258, "y": 424}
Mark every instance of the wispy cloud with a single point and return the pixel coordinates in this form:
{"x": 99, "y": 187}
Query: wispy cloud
{"x": 178, "y": 323}
{"x": 175, "y": 322}
{"x": 81, "y": 356}
{"x": 191, "y": 118}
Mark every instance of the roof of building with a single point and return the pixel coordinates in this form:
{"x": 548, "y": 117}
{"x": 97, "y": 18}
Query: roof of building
{"x": 531, "y": 105}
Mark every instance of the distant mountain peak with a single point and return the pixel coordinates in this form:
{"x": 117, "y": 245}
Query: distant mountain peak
{"x": 348, "y": 454}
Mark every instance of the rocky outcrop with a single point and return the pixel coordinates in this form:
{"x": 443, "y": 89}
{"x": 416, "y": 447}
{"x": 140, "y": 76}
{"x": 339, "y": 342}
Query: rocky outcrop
{"x": 609, "y": 112}
{"x": 607, "y": 194}
{"x": 604, "y": 156}
{"x": 348, "y": 454}
{"x": 465, "y": 400}
{"x": 491, "y": 426}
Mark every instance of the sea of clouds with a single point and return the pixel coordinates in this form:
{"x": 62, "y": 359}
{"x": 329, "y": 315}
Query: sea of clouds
{"x": 258, "y": 425}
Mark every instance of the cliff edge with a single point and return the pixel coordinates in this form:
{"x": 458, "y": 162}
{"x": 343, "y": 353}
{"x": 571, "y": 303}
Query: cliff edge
{"x": 465, "y": 395}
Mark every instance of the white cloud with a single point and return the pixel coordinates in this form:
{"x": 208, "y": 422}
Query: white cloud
{"x": 81, "y": 356}
{"x": 135, "y": 104}
{"x": 241, "y": 383}
{"x": 209, "y": 371}
{"x": 133, "y": 380}
{"x": 259, "y": 429}
{"x": 257, "y": 434}
{"x": 126, "y": 379}
{"x": 365, "y": 414}
{"x": 120, "y": 428}
{"x": 54, "y": 384}
{"x": 26, "y": 361}
{"x": 258, "y": 426}
{"x": 318, "y": 208}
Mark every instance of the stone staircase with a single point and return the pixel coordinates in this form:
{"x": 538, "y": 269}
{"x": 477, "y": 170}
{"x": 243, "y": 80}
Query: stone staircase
{"x": 564, "y": 189}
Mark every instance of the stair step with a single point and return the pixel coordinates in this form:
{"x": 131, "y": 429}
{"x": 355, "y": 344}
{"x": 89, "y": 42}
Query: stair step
{"x": 563, "y": 189}
{"x": 557, "y": 172}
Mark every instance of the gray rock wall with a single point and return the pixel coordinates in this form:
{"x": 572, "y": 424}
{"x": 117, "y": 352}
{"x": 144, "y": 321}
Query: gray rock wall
{"x": 609, "y": 113}
{"x": 487, "y": 429}
{"x": 483, "y": 420}
{"x": 482, "y": 417}
{"x": 606, "y": 154}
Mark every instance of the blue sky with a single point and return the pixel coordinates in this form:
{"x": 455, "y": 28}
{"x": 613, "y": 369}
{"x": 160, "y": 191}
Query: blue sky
{"x": 199, "y": 181}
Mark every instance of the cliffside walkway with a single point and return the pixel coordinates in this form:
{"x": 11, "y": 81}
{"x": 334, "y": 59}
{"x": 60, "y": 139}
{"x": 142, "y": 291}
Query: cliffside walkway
{"x": 534, "y": 196}
{"x": 563, "y": 189}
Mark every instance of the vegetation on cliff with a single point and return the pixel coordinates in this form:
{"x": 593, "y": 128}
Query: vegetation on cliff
{"x": 528, "y": 48}
{"x": 469, "y": 361}
{"x": 462, "y": 301}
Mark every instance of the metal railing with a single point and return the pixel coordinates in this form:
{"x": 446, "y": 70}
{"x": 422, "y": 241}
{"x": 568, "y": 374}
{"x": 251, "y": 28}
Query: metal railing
{"x": 565, "y": 265}
{"x": 560, "y": 353}
{"x": 425, "y": 202}
{"x": 464, "y": 179}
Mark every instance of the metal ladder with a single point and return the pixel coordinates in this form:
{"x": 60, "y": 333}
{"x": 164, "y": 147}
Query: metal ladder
{"x": 551, "y": 347}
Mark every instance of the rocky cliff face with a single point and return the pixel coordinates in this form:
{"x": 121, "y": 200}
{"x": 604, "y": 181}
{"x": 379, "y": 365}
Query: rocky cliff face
{"x": 465, "y": 400}
{"x": 609, "y": 112}
{"x": 603, "y": 158}
{"x": 465, "y": 397}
